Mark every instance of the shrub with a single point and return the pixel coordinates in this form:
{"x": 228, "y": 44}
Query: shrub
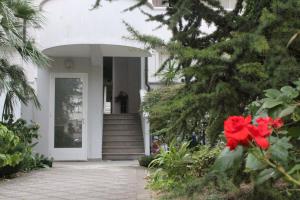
{"x": 145, "y": 161}
{"x": 26, "y": 132}
{"x": 176, "y": 169}
{"x": 16, "y": 148}
{"x": 11, "y": 152}
{"x": 203, "y": 158}
{"x": 35, "y": 161}
{"x": 171, "y": 167}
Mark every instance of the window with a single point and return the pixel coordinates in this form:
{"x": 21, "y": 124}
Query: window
{"x": 158, "y": 3}
{"x": 228, "y": 4}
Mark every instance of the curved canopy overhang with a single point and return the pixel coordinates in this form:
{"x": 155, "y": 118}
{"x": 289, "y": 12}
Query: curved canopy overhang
{"x": 89, "y": 50}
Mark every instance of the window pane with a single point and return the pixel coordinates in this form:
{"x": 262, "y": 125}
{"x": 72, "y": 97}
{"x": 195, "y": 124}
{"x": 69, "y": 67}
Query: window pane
{"x": 68, "y": 113}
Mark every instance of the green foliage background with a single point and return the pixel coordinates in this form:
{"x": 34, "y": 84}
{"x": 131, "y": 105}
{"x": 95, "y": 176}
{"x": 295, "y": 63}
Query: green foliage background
{"x": 250, "y": 50}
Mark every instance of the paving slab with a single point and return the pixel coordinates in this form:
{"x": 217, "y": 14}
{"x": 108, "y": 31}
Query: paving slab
{"x": 102, "y": 180}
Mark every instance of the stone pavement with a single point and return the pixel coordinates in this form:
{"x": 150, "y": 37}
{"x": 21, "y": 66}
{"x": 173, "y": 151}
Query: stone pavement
{"x": 105, "y": 180}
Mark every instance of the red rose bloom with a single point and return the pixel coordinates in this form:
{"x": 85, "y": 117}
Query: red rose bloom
{"x": 236, "y": 130}
{"x": 232, "y": 144}
{"x": 258, "y": 134}
{"x": 265, "y": 126}
{"x": 277, "y": 123}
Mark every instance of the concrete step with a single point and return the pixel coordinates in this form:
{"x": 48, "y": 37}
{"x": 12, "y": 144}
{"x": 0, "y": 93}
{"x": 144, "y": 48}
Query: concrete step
{"x": 121, "y": 121}
{"x": 125, "y": 127}
{"x": 121, "y": 138}
{"x": 121, "y": 116}
{"x": 123, "y": 149}
{"x": 124, "y": 143}
{"x": 122, "y": 132}
{"x": 123, "y": 156}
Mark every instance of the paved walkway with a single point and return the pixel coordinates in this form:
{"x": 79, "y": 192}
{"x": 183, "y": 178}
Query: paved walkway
{"x": 80, "y": 180}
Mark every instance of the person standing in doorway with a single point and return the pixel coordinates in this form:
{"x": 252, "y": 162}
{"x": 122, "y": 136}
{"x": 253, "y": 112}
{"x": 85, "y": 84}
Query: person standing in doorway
{"x": 123, "y": 99}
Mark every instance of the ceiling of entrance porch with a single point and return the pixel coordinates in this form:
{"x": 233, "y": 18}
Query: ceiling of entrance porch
{"x": 88, "y": 50}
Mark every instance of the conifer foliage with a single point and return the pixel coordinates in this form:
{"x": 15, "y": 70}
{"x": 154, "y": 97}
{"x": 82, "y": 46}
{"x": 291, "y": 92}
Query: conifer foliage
{"x": 252, "y": 47}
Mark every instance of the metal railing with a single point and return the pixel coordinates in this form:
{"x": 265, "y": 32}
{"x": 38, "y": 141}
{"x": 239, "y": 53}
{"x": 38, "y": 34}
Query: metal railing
{"x": 227, "y": 4}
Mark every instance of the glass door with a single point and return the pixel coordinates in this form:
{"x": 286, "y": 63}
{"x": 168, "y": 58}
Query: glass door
{"x": 68, "y": 139}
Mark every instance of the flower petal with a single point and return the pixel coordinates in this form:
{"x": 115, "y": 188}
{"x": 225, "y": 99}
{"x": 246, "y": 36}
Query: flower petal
{"x": 262, "y": 142}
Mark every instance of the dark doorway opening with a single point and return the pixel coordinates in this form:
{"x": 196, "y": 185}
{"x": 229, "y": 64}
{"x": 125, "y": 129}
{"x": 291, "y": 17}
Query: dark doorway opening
{"x": 108, "y": 84}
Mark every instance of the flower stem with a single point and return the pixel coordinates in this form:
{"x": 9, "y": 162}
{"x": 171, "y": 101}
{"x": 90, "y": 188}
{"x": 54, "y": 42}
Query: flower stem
{"x": 279, "y": 168}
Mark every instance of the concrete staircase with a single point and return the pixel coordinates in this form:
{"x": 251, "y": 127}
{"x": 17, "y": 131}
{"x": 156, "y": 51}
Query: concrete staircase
{"x": 122, "y": 137}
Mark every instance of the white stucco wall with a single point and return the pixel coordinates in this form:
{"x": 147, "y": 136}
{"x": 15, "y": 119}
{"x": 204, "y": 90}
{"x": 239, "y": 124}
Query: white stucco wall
{"x": 72, "y": 22}
{"x": 42, "y": 116}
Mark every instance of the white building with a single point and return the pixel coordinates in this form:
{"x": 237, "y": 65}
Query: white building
{"x": 91, "y": 63}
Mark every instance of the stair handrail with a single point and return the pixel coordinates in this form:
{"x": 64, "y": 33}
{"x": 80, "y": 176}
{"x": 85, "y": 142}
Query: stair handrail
{"x": 145, "y": 124}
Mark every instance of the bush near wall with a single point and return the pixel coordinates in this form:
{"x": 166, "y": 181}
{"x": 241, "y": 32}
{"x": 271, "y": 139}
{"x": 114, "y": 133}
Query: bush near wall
{"x": 17, "y": 140}
{"x": 11, "y": 153}
{"x": 172, "y": 171}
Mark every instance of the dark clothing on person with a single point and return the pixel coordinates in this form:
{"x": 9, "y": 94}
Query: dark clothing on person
{"x": 123, "y": 99}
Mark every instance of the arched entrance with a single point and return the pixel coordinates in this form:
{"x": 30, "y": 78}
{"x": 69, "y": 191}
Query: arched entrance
{"x": 82, "y": 78}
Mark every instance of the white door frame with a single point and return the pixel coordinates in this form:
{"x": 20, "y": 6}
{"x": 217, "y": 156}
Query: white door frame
{"x": 68, "y": 153}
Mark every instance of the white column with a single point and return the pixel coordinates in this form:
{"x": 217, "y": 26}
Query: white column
{"x": 147, "y": 136}
{"x": 101, "y": 107}
{"x": 144, "y": 116}
{"x": 95, "y": 110}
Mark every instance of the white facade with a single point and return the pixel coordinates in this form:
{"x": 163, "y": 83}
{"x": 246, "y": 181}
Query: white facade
{"x": 77, "y": 39}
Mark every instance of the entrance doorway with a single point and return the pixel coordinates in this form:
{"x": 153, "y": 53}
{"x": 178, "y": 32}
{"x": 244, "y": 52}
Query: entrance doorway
{"x": 121, "y": 75}
{"x": 68, "y": 134}
{"x": 108, "y": 84}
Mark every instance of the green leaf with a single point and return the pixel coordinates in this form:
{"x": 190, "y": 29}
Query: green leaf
{"x": 271, "y": 103}
{"x": 290, "y": 92}
{"x": 2, "y": 157}
{"x": 265, "y": 175}
{"x": 294, "y": 169}
{"x": 228, "y": 159}
{"x": 297, "y": 83}
{"x": 272, "y": 93}
{"x": 253, "y": 164}
{"x": 287, "y": 111}
{"x": 279, "y": 149}
{"x": 275, "y": 112}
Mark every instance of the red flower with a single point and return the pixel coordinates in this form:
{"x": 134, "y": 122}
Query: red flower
{"x": 277, "y": 123}
{"x": 239, "y": 130}
{"x": 258, "y": 134}
{"x": 236, "y": 127}
{"x": 265, "y": 126}
{"x": 236, "y": 130}
{"x": 232, "y": 144}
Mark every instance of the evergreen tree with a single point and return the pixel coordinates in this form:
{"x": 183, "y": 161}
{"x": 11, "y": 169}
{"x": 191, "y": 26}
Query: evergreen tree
{"x": 254, "y": 46}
